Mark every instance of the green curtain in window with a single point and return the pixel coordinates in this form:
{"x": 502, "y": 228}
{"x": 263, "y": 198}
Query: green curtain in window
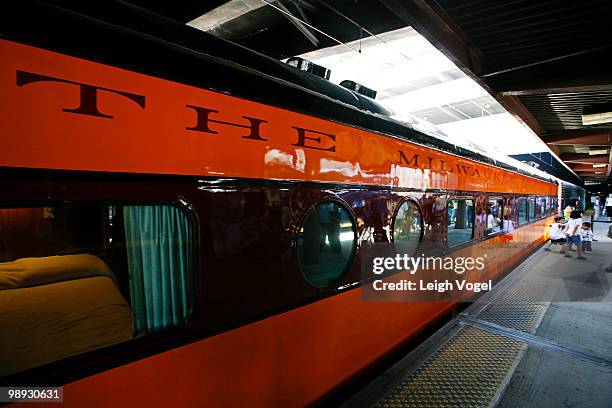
{"x": 159, "y": 260}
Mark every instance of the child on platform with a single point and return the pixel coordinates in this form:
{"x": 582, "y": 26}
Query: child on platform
{"x": 586, "y": 236}
{"x": 557, "y": 233}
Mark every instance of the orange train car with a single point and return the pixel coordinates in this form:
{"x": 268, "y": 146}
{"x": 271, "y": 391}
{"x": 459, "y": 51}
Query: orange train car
{"x": 183, "y": 221}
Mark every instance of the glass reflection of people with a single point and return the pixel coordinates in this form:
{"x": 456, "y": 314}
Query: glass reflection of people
{"x": 462, "y": 214}
{"x": 451, "y": 212}
{"x": 493, "y": 221}
{"x": 469, "y": 215}
{"x": 481, "y": 223}
{"x": 329, "y": 217}
{"x": 508, "y": 224}
{"x": 313, "y": 232}
{"x": 405, "y": 224}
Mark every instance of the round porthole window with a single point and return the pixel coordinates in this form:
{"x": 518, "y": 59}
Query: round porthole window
{"x": 326, "y": 244}
{"x": 407, "y": 228}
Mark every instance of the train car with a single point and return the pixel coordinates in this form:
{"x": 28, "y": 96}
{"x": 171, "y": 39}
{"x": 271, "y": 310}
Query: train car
{"x": 183, "y": 221}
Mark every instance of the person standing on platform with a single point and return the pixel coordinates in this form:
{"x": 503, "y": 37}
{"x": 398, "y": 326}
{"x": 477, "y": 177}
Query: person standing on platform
{"x": 590, "y": 213}
{"x": 568, "y": 210}
{"x": 609, "y": 205}
{"x": 573, "y": 234}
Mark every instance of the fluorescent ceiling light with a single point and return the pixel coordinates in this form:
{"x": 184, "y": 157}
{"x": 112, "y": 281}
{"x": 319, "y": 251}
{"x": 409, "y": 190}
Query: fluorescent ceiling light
{"x": 598, "y": 151}
{"x": 502, "y": 132}
{"x": 597, "y": 118}
{"x": 600, "y": 165}
{"x": 436, "y": 95}
{"x": 597, "y": 113}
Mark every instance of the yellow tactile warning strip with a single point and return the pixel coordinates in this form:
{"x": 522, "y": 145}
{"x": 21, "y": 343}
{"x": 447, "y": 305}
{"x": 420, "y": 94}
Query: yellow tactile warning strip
{"x": 534, "y": 290}
{"x": 524, "y": 316}
{"x": 467, "y": 371}
{"x": 515, "y": 307}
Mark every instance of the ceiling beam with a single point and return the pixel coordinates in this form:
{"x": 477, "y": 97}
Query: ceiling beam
{"x": 555, "y": 149}
{"x": 585, "y": 167}
{"x": 576, "y": 73}
{"x": 585, "y": 158}
{"x": 432, "y": 22}
{"x": 573, "y": 132}
{"x": 547, "y": 87}
{"x": 593, "y": 139}
{"x": 599, "y": 172}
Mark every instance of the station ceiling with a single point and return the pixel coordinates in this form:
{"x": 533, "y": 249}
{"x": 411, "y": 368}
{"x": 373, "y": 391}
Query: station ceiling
{"x": 544, "y": 61}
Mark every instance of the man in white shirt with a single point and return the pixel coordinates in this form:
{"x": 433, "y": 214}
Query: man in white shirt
{"x": 609, "y": 206}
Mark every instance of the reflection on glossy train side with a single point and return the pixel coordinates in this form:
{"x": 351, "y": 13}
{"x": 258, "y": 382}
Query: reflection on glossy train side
{"x": 282, "y": 144}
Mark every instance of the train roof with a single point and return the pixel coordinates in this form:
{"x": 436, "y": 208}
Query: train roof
{"x": 127, "y": 36}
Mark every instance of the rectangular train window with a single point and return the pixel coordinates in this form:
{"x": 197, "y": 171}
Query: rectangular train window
{"x": 522, "y": 211}
{"x": 495, "y": 215}
{"x": 75, "y": 278}
{"x": 532, "y": 209}
{"x": 460, "y": 221}
{"x": 552, "y": 205}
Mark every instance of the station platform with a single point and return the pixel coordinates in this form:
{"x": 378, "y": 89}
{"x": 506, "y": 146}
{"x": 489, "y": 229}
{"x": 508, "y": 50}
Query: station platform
{"x": 541, "y": 338}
